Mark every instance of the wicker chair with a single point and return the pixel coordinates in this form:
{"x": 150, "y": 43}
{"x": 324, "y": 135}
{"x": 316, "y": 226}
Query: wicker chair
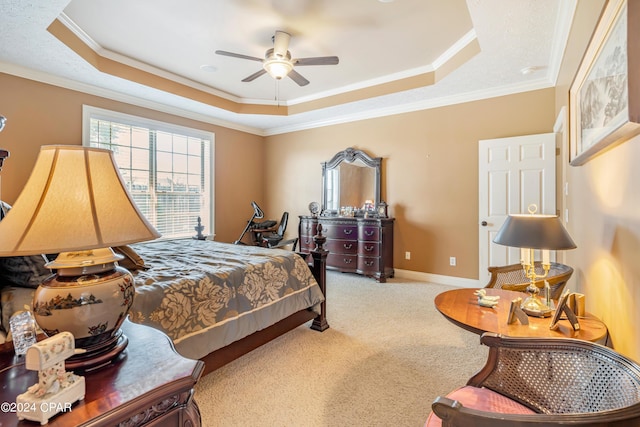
{"x": 512, "y": 277}
{"x": 564, "y": 381}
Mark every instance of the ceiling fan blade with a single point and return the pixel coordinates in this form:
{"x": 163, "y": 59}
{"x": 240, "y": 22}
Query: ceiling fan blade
{"x": 319, "y": 60}
{"x": 296, "y": 77}
{"x": 237, "y": 55}
{"x": 254, "y": 76}
{"x": 281, "y": 43}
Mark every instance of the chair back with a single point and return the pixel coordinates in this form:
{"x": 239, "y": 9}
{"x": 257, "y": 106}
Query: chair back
{"x": 559, "y": 375}
{"x": 283, "y": 224}
{"x": 512, "y": 278}
{"x": 566, "y": 381}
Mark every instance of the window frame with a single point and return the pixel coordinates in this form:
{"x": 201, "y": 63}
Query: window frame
{"x": 91, "y": 112}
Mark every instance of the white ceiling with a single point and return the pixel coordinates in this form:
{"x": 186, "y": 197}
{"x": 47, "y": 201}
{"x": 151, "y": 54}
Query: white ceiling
{"x": 377, "y": 42}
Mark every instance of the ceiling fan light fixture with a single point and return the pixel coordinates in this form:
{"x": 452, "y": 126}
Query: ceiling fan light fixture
{"x": 278, "y": 68}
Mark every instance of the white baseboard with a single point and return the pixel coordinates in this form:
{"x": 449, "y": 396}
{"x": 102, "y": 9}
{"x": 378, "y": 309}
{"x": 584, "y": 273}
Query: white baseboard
{"x": 436, "y": 278}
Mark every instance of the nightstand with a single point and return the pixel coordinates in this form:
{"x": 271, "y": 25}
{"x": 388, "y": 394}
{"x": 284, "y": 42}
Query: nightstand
{"x": 150, "y": 384}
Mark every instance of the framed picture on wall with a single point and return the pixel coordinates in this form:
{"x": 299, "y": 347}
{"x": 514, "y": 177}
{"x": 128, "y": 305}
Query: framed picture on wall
{"x": 604, "y": 99}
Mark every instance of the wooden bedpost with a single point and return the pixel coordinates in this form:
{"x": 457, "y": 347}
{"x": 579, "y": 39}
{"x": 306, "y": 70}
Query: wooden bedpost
{"x": 319, "y": 270}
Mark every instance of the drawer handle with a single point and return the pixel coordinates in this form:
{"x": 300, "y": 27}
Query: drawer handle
{"x": 348, "y": 231}
{"x": 369, "y": 233}
{"x": 347, "y": 260}
{"x": 368, "y": 263}
{"x": 368, "y": 248}
{"x": 347, "y": 245}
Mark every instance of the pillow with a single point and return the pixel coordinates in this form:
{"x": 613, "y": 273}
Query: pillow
{"x": 132, "y": 261}
{"x": 23, "y": 271}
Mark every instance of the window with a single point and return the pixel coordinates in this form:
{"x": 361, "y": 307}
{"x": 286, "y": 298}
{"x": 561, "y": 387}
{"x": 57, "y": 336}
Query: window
{"x": 167, "y": 168}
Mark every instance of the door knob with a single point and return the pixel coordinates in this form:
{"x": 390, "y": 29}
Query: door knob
{"x": 484, "y": 223}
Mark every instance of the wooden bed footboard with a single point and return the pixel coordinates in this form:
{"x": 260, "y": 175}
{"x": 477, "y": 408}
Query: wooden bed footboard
{"x": 317, "y": 262}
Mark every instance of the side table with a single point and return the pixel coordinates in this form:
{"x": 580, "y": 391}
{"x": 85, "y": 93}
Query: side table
{"x": 149, "y": 384}
{"x": 460, "y": 306}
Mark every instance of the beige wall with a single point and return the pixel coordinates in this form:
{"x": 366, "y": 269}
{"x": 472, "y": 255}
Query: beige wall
{"x": 40, "y": 114}
{"x": 429, "y": 174}
{"x": 429, "y": 177}
{"x": 604, "y": 215}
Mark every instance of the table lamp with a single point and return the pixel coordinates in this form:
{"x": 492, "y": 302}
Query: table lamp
{"x": 530, "y": 232}
{"x": 75, "y": 203}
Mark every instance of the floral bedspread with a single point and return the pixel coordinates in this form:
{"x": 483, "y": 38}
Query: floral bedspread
{"x": 191, "y": 287}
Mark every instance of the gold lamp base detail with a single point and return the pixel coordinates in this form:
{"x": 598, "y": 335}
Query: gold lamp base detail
{"x": 532, "y": 305}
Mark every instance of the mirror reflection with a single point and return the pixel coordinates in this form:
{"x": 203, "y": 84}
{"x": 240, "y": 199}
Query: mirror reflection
{"x": 351, "y": 184}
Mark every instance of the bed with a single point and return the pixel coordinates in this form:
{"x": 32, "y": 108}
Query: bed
{"x": 217, "y": 301}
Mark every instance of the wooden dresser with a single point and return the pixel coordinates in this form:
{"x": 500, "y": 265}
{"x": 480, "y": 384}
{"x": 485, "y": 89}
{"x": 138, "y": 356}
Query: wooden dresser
{"x": 356, "y": 245}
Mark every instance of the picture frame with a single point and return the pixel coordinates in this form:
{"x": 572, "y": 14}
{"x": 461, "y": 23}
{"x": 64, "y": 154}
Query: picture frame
{"x": 604, "y": 98}
{"x": 563, "y": 307}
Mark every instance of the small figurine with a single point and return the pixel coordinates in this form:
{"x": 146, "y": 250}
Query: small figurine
{"x": 486, "y": 300}
{"x": 199, "y": 228}
{"x": 56, "y": 389}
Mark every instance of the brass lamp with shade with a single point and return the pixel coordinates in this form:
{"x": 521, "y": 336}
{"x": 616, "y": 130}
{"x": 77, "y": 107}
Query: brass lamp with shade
{"x": 531, "y": 232}
{"x": 75, "y": 203}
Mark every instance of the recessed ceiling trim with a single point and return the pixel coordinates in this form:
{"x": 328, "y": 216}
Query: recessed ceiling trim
{"x": 74, "y": 85}
{"x": 118, "y": 69}
{"x": 459, "y": 53}
{"x": 566, "y": 13}
{"x": 426, "y": 104}
{"x": 65, "y": 30}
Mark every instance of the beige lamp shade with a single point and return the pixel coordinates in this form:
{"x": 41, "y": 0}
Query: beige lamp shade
{"x": 75, "y": 199}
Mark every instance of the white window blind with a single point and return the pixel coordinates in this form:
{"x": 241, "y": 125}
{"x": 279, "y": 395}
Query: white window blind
{"x": 167, "y": 168}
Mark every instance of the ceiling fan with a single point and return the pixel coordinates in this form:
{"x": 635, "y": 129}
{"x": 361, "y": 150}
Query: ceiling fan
{"x": 278, "y": 62}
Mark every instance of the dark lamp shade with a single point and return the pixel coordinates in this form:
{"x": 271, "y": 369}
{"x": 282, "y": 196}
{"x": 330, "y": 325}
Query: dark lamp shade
{"x": 534, "y": 232}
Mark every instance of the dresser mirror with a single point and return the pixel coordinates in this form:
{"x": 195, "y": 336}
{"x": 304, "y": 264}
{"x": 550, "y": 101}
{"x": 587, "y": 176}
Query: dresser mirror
{"x": 351, "y": 184}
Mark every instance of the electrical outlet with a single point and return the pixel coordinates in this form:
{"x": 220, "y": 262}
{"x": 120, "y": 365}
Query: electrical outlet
{"x": 407, "y": 255}
{"x": 452, "y": 261}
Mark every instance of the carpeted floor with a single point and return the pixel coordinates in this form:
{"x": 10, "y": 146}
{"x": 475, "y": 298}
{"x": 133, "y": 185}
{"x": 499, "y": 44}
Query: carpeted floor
{"x": 386, "y": 357}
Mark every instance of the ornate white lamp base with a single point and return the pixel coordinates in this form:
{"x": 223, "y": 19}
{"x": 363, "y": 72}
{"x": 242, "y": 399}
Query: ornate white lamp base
{"x": 90, "y": 302}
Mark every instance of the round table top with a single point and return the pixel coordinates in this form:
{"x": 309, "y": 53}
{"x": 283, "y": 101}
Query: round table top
{"x": 460, "y": 306}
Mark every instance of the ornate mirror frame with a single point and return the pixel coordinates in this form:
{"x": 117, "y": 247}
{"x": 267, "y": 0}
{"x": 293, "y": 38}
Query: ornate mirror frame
{"x": 351, "y": 155}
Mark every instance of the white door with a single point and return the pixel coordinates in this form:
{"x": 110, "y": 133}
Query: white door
{"x": 513, "y": 174}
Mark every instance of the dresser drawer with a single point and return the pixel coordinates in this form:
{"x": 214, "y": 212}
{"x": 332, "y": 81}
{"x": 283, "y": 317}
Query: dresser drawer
{"x": 354, "y": 245}
{"x": 307, "y": 244}
{"x": 346, "y": 262}
{"x": 368, "y": 264}
{"x": 369, "y": 233}
{"x": 308, "y": 228}
{"x": 340, "y": 231}
{"x": 342, "y": 246}
{"x": 369, "y": 248}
